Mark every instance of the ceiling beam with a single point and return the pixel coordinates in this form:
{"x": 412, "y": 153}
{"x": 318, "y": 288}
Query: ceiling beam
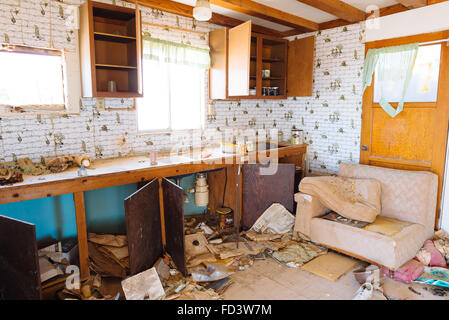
{"x": 187, "y": 11}
{"x": 412, "y": 4}
{"x": 258, "y": 10}
{"x": 337, "y": 8}
{"x": 396, "y": 8}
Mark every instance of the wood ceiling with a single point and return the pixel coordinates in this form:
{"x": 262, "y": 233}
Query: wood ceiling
{"x": 346, "y": 13}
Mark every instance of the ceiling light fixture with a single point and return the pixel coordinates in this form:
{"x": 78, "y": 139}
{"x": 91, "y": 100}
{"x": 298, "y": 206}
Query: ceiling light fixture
{"x": 202, "y": 10}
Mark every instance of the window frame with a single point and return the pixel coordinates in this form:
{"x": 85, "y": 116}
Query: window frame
{"x": 39, "y": 108}
{"x": 170, "y": 130}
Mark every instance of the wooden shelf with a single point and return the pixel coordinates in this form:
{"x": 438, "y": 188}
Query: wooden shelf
{"x": 113, "y": 37}
{"x": 110, "y": 49}
{"x": 112, "y": 66}
{"x": 270, "y": 78}
{"x": 269, "y": 60}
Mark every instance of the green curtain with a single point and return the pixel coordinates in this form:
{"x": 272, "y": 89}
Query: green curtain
{"x": 172, "y": 52}
{"x": 391, "y": 64}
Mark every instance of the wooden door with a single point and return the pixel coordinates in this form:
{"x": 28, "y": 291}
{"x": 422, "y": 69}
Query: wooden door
{"x": 143, "y": 227}
{"x": 19, "y": 261}
{"x": 301, "y": 54}
{"x": 416, "y": 138}
{"x": 260, "y": 191}
{"x": 218, "y": 43}
{"x": 239, "y": 59}
{"x": 174, "y": 224}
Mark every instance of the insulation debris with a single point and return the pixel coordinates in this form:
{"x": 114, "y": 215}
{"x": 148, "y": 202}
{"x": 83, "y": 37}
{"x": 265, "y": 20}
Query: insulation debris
{"x": 10, "y": 176}
{"x": 297, "y": 254}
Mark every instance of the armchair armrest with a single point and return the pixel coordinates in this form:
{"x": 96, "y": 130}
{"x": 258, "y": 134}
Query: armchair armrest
{"x": 308, "y": 207}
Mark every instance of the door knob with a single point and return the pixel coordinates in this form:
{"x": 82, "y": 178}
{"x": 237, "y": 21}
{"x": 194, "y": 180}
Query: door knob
{"x": 365, "y": 148}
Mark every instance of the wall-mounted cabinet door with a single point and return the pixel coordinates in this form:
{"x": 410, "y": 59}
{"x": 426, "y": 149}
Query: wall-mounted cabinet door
{"x": 301, "y": 64}
{"x": 19, "y": 262}
{"x": 143, "y": 227}
{"x": 218, "y": 43}
{"x": 262, "y": 187}
{"x": 239, "y": 59}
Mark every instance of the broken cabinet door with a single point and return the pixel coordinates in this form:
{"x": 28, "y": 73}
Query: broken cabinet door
{"x": 301, "y": 65}
{"x": 174, "y": 224}
{"x": 143, "y": 227}
{"x": 19, "y": 261}
{"x": 262, "y": 188}
{"x": 239, "y": 59}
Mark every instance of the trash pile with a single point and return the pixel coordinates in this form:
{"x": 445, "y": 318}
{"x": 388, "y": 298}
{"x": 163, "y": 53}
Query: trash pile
{"x": 213, "y": 256}
{"x": 13, "y": 171}
{"x": 428, "y": 267}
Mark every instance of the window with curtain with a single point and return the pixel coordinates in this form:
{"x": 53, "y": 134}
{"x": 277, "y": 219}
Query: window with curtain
{"x": 423, "y": 86}
{"x": 174, "y": 83}
{"x": 37, "y": 72}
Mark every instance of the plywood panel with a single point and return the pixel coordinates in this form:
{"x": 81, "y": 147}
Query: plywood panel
{"x": 239, "y": 55}
{"x": 218, "y": 43}
{"x": 143, "y": 227}
{"x": 219, "y": 181}
{"x": 301, "y": 54}
{"x": 408, "y": 136}
{"x": 261, "y": 191}
{"x": 19, "y": 264}
{"x": 174, "y": 224}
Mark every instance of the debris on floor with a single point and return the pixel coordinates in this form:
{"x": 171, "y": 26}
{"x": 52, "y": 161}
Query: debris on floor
{"x": 296, "y": 254}
{"x": 434, "y": 276}
{"x": 408, "y": 272}
{"x": 330, "y": 266}
{"x": 144, "y": 286}
{"x": 429, "y": 255}
{"x": 275, "y": 220}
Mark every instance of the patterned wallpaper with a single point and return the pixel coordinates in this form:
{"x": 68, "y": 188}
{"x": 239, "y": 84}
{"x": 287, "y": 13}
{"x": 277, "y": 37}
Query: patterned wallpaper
{"x": 331, "y": 119}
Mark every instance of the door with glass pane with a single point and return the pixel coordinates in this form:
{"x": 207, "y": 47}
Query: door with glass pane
{"x": 416, "y": 138}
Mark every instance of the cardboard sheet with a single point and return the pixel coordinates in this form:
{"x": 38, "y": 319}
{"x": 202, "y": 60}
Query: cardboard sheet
{"x": 330, "y": 266}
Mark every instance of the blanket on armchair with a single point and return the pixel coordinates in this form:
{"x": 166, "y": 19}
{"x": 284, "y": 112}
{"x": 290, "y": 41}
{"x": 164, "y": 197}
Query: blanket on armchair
{"x": 357, "y": 199}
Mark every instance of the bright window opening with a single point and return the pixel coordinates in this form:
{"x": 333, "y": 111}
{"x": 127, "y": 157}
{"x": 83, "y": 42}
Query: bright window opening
{"x": 424, "y": 82}
{"x": 32, "y": 79}
{"x": 174, "y": 97}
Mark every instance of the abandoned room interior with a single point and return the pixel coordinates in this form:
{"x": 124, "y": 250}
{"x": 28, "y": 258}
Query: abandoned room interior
{"x": 224, "y": 150}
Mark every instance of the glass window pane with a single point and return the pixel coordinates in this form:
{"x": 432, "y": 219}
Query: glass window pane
{"x": 40, "y": 76}
{"x": 187, "y": 96}
{"x": 154, "y": 108}
{"x": 424, "y": 82}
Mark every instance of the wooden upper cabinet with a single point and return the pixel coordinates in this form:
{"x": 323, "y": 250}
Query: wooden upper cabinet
{"x": 111, "y": 50}
{"x": 301, "y": 55}
{"x": 239, "y": 58}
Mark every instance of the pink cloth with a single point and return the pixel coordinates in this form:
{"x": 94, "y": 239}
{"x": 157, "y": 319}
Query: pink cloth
{"x": 408, "y": 272}
{"x": 436, "y": 258}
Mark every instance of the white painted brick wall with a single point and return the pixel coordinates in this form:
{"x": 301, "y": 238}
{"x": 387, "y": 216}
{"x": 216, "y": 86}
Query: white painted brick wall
{"x": 332, "y": 125}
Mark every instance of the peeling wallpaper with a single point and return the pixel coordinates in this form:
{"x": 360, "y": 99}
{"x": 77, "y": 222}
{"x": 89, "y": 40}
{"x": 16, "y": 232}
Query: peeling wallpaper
{"x": 331, "y": 118}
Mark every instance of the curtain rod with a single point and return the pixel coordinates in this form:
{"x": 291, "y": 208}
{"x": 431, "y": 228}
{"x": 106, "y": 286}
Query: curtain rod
{"x": 435, "y": 42}
{"x": 173, "y": 28}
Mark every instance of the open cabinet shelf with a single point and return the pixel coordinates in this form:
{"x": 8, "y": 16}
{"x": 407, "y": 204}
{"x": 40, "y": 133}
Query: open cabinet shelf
{"x": 110, "y": 46}
{"x": 239, "y": 56}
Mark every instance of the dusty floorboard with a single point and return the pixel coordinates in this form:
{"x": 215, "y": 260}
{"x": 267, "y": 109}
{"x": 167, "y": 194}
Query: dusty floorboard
{"x": 269, "y": 280}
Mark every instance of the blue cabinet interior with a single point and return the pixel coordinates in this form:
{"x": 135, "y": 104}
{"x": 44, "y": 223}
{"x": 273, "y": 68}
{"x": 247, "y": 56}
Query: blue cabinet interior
{"x": 54, "y": 217}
